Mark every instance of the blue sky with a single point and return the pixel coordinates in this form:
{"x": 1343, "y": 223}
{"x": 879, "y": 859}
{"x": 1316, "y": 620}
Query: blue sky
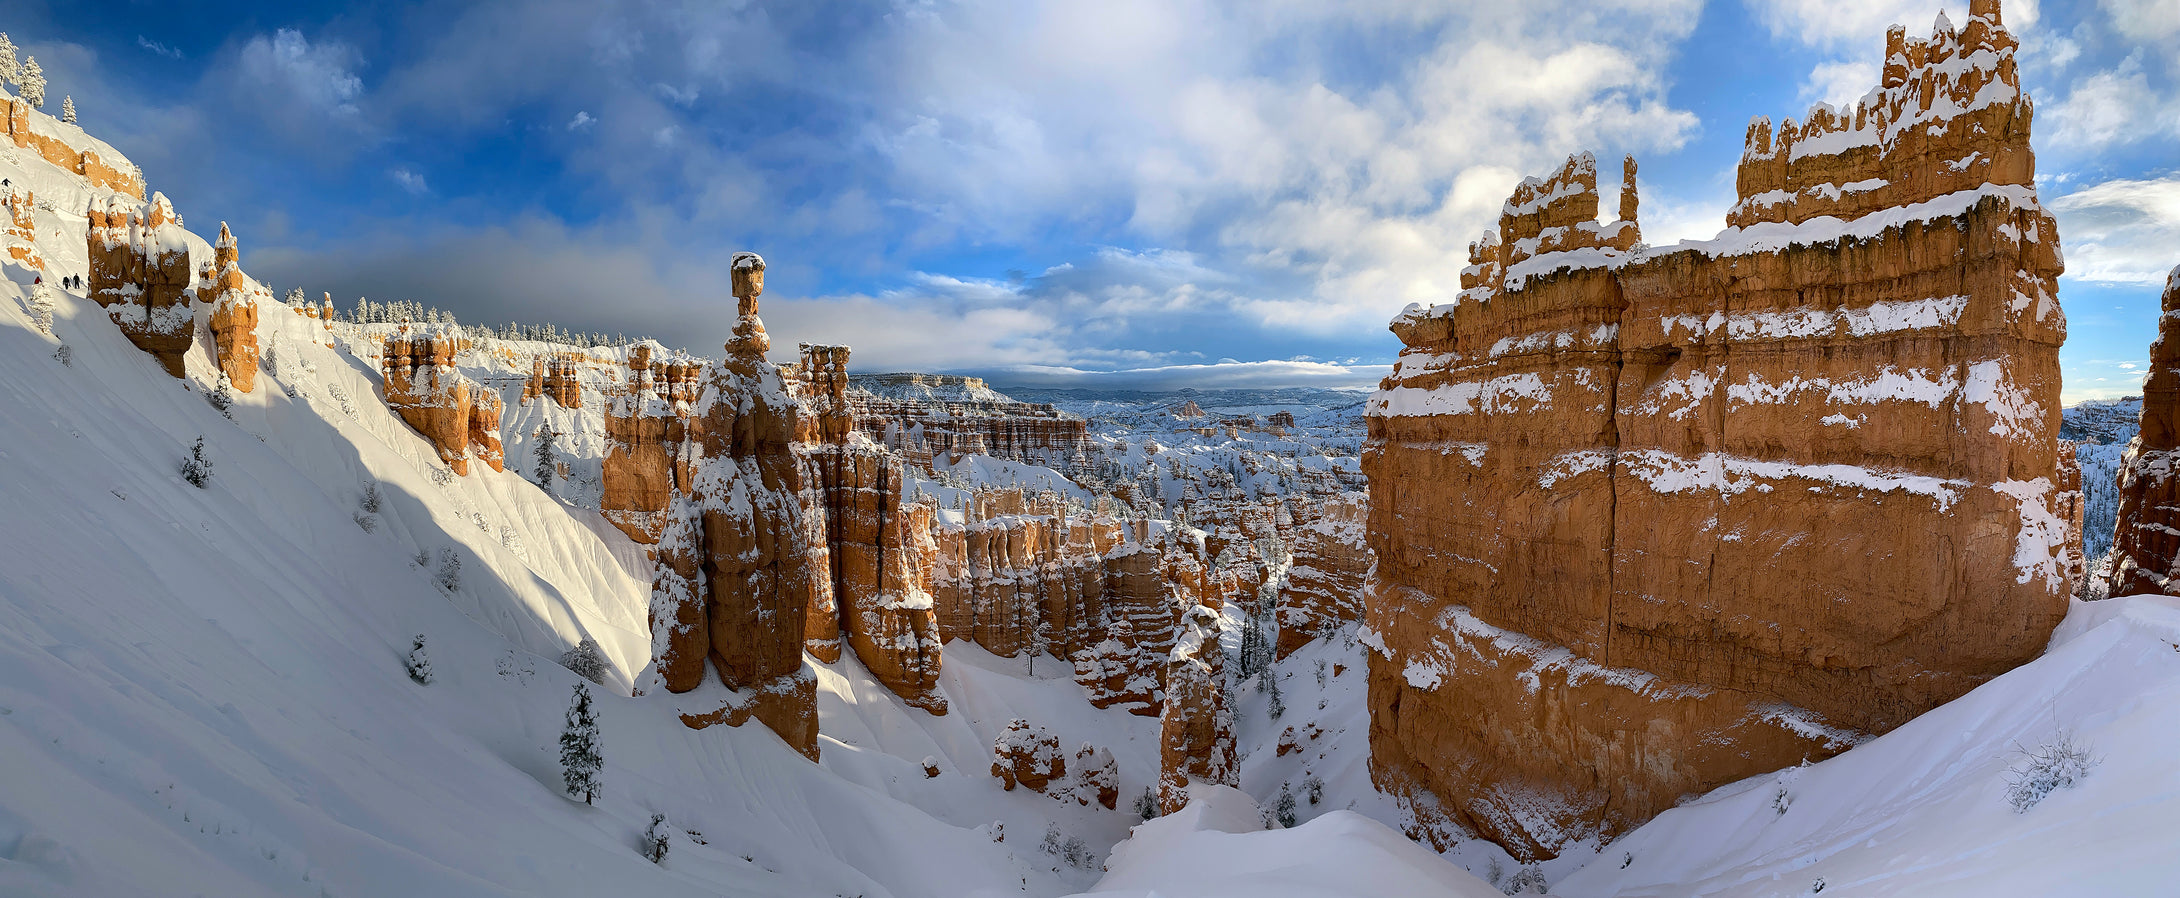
{"x": 1165, "y": 193}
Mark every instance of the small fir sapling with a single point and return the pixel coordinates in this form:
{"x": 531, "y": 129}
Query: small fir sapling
{"x": 197, "y": 469}
{"x": 222, "y": 397}
{"x": 449, "y": 576}
{"x": 587, "y": 660}
{"x": 1278, "y": 705}
{"x": 580, "y": 760}
{"x": 1146, "y": 805}
{"x": 657, "y": 839}
{"x": 68, "y": 109}
{"x": 419, "y": 665}
{"x": 1284, "y": 810}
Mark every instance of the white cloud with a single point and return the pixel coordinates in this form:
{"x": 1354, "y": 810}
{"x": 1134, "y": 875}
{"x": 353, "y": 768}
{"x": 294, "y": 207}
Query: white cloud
{"x": 321, "y": 75}
{"x": 1224, "y": 374}
{"x": 2122, "y": 232}
{"x": 1851, "y": 23}
{"x": 409, "y": 181}
{"x": 2116, "y": 106}
{"x": 2147, "y": 21}
{"x": 158, "y": 48}
{"x": 582, "y": 121}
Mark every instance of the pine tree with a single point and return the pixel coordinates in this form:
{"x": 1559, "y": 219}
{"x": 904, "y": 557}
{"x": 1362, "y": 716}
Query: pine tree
{"x": 546, "y": 457}
{"x": 68, "y": 109}
{"x": 580, "y": 762}
{"x": 657, "y": 840}
{"x": 196, "y": 468}
{"x": 295, "y": 296}
{"x": 419, "y": 665}
{"x": 1284, "y": 811}
{"x": 10, "y": 72}
{"x": 449, "y": 576}
{"x": 1271, "y": 688}
{"x": 222, "y": 397}
{"x": 33, "y": 81}
{"x": 586, "y": 660}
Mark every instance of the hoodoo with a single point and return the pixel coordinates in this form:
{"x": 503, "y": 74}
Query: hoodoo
{"x": 1648, "y": 521}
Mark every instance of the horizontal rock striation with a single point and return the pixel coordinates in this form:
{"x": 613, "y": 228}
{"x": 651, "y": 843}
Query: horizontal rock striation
{"x": 1324, "y": 586}
{"x": 1650, "y": 521}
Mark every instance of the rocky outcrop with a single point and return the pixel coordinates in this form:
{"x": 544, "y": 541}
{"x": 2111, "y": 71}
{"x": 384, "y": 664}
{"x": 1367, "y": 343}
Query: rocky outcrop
{"x": 234, "y": 317}
{"x": 1028, "y": 756}
{"x": 67, "y": 146}
{"x": 19, "y": 233}
{"x": 1650, "y": 521}
{"x": 648, "y": 456}
{"x": 1324, "y": 586}
{"x": 2146, "y": 542}
{"x": 140, "y": 273}
{"x": 882, "y": 557}
{"x": 460, "y": 418}
{"x": 1019, "y": 573}
{"x": 928, "y": 432}
{"x": 1196, "y": 731}
{"x": 555, "y": 377}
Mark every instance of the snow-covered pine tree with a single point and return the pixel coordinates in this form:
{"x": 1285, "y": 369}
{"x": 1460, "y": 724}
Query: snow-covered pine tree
{"x": 545, "y": 458}
{"x": 1284, "y": 811}
{"x": 580, "y": 761}
{"x": 33, "y": 82}
{"x": 10, "y": 70}
{"x": 657, "y": 839}
{"x": 222, "y": 397}
{"x": 419, "y": 665}
{"x": 1278, "y": 703}
{"x": 587, "y": 660}
{"x": 68, "y": 109}
{"x": 296, "y": 297}
{"x": 1146, "y": 805}
{"x": 449, "y": 576}
{"x": 197, "y": 469}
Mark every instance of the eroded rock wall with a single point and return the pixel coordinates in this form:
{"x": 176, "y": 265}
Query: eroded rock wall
{"x": 1324, "y": 586}
{"x": 422, "y": 385}
{"x": 2146, "y": 542}
{"x": 140, "y": 272}
{"x": 235, "y": 304}
{"x": 1650, "y": 521}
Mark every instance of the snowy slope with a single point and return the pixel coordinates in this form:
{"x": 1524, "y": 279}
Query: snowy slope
{"x": 1923, "y": 810}
{"x": 202, "y": 690}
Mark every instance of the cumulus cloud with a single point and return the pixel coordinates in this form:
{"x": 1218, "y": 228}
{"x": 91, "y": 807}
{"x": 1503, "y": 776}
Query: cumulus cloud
{"x": 409, "y": 181}
{"x": 2122, "y": 232}
{"x": 321, "y": 75}
{"x": 1848, "y": 23}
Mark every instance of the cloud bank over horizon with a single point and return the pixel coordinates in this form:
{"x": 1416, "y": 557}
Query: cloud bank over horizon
{"x": 1137, "y": 192}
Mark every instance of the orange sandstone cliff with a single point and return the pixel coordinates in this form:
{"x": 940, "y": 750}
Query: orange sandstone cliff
{"x": 1647, "y": 521}
{"x": 2146, "y": 544}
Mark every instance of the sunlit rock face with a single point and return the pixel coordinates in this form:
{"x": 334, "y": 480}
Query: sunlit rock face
{"x": 2146, "y": 543}
{"x": 460, "y": 418}
{"x": 1648, "y": 521}
{"x": 140, "y": 272}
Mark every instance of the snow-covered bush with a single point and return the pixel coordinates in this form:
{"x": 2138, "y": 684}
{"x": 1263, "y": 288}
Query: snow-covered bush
{"x": 657, "y": 839}
{"x": 66, "y": 355}
{"x": 586, "y": 660}
{"x": 371, "y": 499}
{"x": 449, "y": 576}
{"x": 2057, "y": 764}
{"x": 580, "y": 761}
{"x": 419, "y": 665}
{"x": 367, "y": 522}
{"x": 341, "y": 396}
{"x": 1314, "y": 788}
{"x": 1146, "y": 804}
{"x": 1071, "y": 850}
{"x": 197, "y": 469}
{"x": 1526, "y": 881}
